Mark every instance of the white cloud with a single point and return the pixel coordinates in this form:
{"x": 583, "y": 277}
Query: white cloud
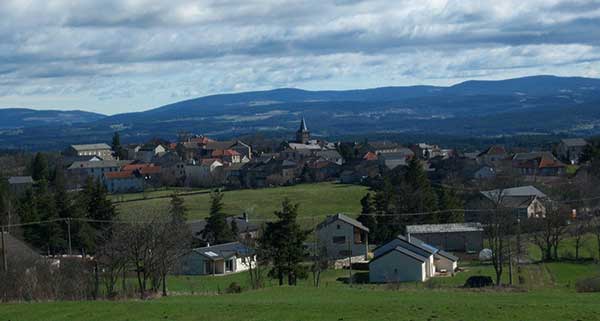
{"x": 116, "y": 55}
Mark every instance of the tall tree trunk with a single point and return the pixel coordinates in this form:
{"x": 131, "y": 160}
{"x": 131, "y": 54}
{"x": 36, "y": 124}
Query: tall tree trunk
{"x": 164, "y": 284}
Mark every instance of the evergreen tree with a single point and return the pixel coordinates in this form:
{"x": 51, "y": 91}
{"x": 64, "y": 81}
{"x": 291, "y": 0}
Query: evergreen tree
{"x": 367, "y": 217}
{"x": 449, "y": 200}
{"x": 40, "y": 169}
{"x": 234, "y": 228}
{"x": 51, "y": 231}
{"x": 117, "y": 147}
{"x": 178, "y": 210}
{"x": 416, "y": 195}
{"x": 217, "y": 230}
{"x": 283, "y": 241}
{"x": 100, "y": 210}
{"x": 27, "y": 212}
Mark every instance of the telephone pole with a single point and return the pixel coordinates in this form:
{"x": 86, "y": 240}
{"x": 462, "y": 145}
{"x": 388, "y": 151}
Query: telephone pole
{"x": 4, "y": 259}
{"x": 69, "y": 235}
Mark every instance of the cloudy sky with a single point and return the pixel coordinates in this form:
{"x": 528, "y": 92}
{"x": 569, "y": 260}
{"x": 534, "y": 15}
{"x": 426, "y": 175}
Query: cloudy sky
{"x": 113, "y": 56}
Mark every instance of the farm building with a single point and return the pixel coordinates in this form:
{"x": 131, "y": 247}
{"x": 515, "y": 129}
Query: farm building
{"x": 343, "y": 237}
{"x": 398, "y": 264}
{"x": 219, "y": 259}
{"x": 458, "y": 237}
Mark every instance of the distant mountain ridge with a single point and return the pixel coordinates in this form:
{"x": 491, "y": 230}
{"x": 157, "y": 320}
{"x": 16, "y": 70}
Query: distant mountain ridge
{"x": 534, "y": 105}
{"x": 25, "y": 117}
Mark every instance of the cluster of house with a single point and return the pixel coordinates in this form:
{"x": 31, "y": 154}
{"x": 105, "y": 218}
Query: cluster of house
{"x": 497, "y": 159}
{"x": 423, "y": 253}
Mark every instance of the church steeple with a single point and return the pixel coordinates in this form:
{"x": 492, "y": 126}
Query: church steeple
{"x": 302, "y": 135}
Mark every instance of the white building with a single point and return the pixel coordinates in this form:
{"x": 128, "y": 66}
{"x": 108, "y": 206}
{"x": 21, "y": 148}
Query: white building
{"x": 101, "y": 150}
{"x": 219, "y": 259}
{"x": 343, "y": 237}
{"x": 398, "y": 264}
{"x": 419, "y": 248}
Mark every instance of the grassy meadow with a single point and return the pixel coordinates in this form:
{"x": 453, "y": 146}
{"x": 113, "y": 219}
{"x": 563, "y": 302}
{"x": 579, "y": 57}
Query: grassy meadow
{"x": 316, "y": 201}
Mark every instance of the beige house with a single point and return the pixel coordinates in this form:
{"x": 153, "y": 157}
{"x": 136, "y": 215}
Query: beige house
{"x": 343, "y": 237}
{"x": 101, "y": 150}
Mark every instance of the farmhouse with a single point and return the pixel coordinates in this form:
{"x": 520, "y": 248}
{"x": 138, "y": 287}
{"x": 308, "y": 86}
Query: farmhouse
{"x": 101, "y": 150}
{"x": 570, "y": 149}
{"x": 219, "y": 259}
{"x": 343, "y": 237}
{"x": 413, "y": 245}
{"x": 524, "y": 201}
{"x": 19, "y": 184}
{"x": 398, "y": 264}
{"x": 458, "y": 237}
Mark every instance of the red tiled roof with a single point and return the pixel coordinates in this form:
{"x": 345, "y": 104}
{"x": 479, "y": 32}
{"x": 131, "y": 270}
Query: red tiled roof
{"x": 118, "y": 175}
{"x": 370, "y": 156}
{"x": 224, "y": 152}
{"x": 133, "y": 167}
{"x": 208, "y": 161}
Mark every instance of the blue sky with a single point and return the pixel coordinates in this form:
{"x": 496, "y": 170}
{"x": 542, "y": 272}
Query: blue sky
{"x": 113, "y": 56}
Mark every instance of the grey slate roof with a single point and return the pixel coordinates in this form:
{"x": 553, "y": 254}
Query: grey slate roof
{"x": 332, "y": 218}
{"x": 404, "y": 251}
{"x": 514, "y": 191}
{"x": 574, "y": 142}
{"x": 224, "y": 251}
{"x": 83, "y": 147}
{"x": 99, "y": 164}
{"x": 447, "y": 255}
{"x": 444, "y": 228}
{"x": 20, "y": 180}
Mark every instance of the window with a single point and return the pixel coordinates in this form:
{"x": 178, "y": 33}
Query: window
{"x": 229, "y": 265}
{"x": 339, "y": 239}
{"x": 338, "y": 227}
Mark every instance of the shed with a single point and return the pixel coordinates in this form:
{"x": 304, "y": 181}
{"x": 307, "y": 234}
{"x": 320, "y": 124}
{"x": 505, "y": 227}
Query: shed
{"x": 460, "y": 237}
{"x": 398, "y": 264}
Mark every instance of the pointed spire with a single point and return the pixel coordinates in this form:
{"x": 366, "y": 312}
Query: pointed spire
{"x": 303, "y": 125}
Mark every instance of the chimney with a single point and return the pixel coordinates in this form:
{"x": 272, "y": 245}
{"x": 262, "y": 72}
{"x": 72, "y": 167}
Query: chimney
{"x": 245, "y": 217}
{"x": 408, "y": 237}
{"x": 207, "y": 244}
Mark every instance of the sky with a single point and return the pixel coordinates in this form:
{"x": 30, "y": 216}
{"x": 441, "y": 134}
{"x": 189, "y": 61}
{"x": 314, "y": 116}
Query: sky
{"x": 114, "y": 56}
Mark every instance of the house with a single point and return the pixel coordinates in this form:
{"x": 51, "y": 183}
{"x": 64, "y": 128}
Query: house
{"x": 343, "y": 237}
{"x": 445, "y": 262}
{"x": 413, "y": 245}
{"x": 227, "y": 156}
{"x": 493, "y": 154}
{"x": 398, "y": 264}
{"x": 456, "y": 237}
{"x": 172, "y": 168}
{"x": 485, "y": 172}
{"x": 147, "y": 152}
{"x": 20, "y": 184}
{"x": 537, "y": 164}
{"x": 571, "y": 149}
{"x": 94, "y": 169}
{"x": 101, "y": 150}
{"x": 123, "y": 182}
{"x": 219, "y": 259}
{"x": 17, "y": 249}
{"x": 246, "y": 229}
{"x": 205, "y": 173}
{"x": 524, "y": 201}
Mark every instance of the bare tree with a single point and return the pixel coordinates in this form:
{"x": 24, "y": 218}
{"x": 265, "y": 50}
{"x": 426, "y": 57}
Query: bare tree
{"x": 548, "y": 230}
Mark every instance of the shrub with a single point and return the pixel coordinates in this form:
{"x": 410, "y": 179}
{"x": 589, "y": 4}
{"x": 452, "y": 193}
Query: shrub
{"x": 234, "y": 287}
{"x": 588, "y": 284}
{"x": 478, "y": 281}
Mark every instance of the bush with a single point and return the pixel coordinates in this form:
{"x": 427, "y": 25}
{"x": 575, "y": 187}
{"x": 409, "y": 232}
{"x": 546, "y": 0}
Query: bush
{"x": 234, "y": 287}
{"x": 588, "y": 284}
{"x": 478, "y": 281}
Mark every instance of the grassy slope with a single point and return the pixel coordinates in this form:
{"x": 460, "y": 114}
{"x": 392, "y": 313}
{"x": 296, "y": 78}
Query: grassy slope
{"x": 316, "y": 200}
{"x": 305, "y": 303}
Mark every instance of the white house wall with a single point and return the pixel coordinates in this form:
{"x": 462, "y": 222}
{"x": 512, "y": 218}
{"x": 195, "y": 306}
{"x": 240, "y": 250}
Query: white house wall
{"x": 397, "y": 267}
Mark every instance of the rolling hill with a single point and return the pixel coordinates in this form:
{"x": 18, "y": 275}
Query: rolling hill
{"x": 535, "y": 105}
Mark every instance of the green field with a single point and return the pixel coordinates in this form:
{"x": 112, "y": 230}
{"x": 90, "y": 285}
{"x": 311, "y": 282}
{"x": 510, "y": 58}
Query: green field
{"x": 316, "y": 201}
{"x": 442, "y": 300}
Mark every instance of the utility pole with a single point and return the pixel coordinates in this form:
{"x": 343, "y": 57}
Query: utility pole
{"x": 510, "y": 263}
{"x": 69, "y": 235}
{"x": 4, "y": 259}
{"x": 350, "y": 261}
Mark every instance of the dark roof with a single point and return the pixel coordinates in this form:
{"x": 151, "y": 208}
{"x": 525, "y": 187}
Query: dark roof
{"x": 447, "y": 255}
{"x": 404, "y": 251}
{"x": 20, "y": 180}
{"x": 243, "y": 226}
{"x": 224, "y": 251}
{"x": 494, "y": 150}
{"x": 99, "y": 164}
{"x": 513, "y": 191}
{"x": 18, "y": 248}
{"x": 332, "y": 218}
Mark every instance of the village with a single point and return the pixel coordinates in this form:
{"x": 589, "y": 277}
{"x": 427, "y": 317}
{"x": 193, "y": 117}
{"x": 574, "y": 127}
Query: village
{"x": 388, "y": 242}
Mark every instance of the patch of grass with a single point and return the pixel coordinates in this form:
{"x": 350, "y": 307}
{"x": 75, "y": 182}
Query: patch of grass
{"x": 304, "y": 303}
{"x": 316, "y": 201}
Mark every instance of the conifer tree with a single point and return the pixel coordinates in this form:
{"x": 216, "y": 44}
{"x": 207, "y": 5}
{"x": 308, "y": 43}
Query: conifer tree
{"x": 217, "y": 230}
